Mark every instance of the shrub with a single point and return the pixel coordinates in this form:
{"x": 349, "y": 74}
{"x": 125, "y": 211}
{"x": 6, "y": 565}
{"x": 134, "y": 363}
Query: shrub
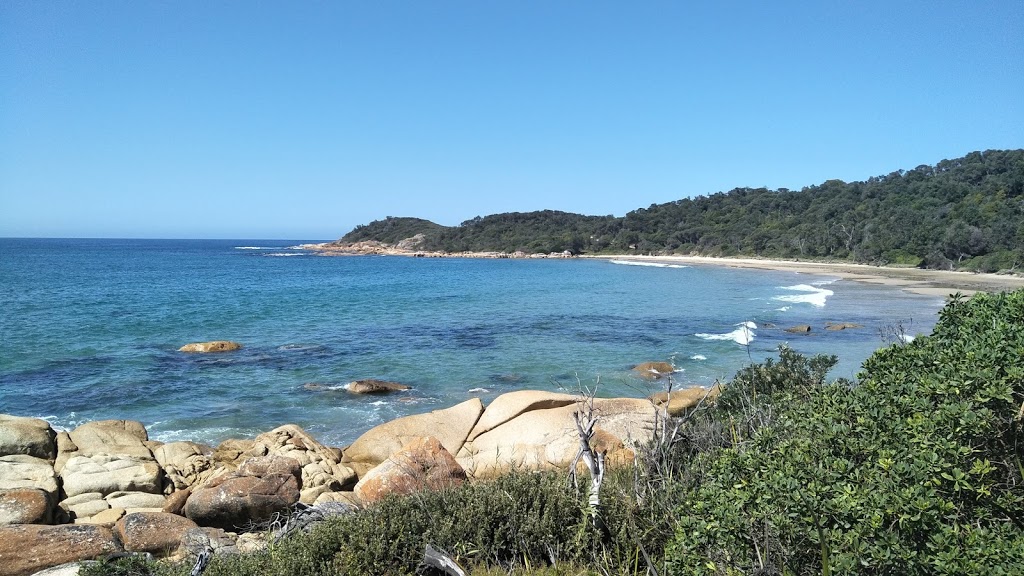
{"x": 916, "y": 470}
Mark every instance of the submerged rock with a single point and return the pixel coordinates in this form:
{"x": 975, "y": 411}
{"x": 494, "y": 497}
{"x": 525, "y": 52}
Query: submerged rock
{"x": 371, "y": 386}
{"x": 835, "y": 326}
{"x": 213, "y": 346}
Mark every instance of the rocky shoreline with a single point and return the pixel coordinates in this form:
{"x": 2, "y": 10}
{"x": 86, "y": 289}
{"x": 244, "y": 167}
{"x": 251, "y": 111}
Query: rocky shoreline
{"x": 104, "y": 488}
{"x": 411, "y": 247}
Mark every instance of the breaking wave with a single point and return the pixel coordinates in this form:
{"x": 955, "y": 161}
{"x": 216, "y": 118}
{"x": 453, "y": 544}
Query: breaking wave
{"x": 742, "y": 335}
{"x": 813, "y": 295}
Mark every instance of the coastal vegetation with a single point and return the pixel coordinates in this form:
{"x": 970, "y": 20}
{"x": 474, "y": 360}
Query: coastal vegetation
{"x": 966, "y": 213}
{"x": 914, "y": 468}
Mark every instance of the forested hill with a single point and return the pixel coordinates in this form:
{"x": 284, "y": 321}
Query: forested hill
{"x": 963, "y": 213}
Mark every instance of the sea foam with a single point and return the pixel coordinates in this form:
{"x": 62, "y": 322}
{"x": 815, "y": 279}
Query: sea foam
{"x": 649, "y": 264}
{"x": 813, "y": 295}
{"x": 742, "y": 335}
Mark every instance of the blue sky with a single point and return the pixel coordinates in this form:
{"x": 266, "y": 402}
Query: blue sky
{"x": 301, "y": 120}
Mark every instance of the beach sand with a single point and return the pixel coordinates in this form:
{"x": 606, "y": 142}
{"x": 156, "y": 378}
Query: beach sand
{"x": 916, "y": 280}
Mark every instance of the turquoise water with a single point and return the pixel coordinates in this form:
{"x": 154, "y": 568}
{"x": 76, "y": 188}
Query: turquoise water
{"x": 90, "y": 329}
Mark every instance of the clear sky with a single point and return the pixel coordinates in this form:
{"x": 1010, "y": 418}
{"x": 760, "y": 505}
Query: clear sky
{"x": 299, "y": 120}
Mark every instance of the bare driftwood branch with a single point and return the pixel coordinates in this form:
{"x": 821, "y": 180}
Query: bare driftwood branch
{"x": 585, "y": 419}
{"x": 435, "y": 560}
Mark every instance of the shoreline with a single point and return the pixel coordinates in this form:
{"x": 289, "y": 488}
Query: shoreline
{"x": 914, "y": 280}
{"x": 942, "y": 283}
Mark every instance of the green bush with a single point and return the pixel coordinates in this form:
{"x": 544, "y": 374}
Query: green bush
{"x": 916, "y": 470}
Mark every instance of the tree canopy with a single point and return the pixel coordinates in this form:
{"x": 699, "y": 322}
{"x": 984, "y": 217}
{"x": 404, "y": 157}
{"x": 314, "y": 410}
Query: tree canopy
{"x": 964, "y": 213}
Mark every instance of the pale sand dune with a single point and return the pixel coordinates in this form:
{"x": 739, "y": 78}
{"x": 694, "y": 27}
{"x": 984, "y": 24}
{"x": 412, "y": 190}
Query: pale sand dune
{"x": 928, "y": 282}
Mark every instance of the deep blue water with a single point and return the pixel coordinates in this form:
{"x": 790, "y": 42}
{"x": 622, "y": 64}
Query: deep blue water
{"x": 90, "y": 329}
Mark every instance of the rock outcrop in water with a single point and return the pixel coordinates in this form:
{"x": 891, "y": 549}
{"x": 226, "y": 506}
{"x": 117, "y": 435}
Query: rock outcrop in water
{"x": 104, "y": 487}
{"x": 214, "y": 346}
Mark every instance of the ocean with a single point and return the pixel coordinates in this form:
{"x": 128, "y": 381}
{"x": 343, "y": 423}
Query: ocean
{"x": 89, "y": 329}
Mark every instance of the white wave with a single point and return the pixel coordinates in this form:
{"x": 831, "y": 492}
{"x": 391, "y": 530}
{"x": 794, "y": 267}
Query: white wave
{"x": 259, "y": 247}
{"x": 814, "y": 296}
{"x": 650, "y": 264}
{"x": 825, "y": 282}
{"x": 906, "y": 338}
{"x": 478, "y": 390}
{"x": 698, "y": 357}
{"x": 288, "y": 254}
{"x": 743, "y": 335}
{"x": 379, "y": 403}
{"x": 783, "y": 309}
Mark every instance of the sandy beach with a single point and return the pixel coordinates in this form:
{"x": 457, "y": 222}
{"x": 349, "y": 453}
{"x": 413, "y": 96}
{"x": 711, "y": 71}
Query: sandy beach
{"x": 916, "y": 280}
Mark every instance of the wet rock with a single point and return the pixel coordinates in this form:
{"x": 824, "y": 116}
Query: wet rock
{"x": 29, "y": 548}
{"x": 29, "y": 436}
{"x": 836, "y": 326}
{"x": 371, "y": 386}
{"x": 25, "y": 506}
{"x": 213, "y": 346}
{"x": 653, "y": 370}
{"x": 800, "y": 329}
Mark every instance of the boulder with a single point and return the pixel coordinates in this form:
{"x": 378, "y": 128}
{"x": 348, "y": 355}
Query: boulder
{"x": 213, "y": 346}
{"x": 175, "y": 503}
{"x": 84, "y": 505}
{"x": 232, "y": 452}
{"x": 422, "y": 464}
{"x": 348, "y": 498}
{"x": 120, "y": 437}
{"x": 25, "y": 506}
{"x": 801, "y": 329}
{"x": 508, "y": 406}
{"x": 154, "y": 532}
{"x": 65, "y": 450}
{"x": 135, "y": 500}
{"x": 322, "y": 470}
{"x": 29, "y": 436}
{"x": 450, "y": 426}
{"x": 679, "y": 401}
{"x": 28, "y": 548}
{"x": 69, "y": 569}
{"x": 835, "y": 326}
{"x": 653, "y": 370}
{"x": 111, "y": 473}
{"x": 185, "y": 464}
{"x": 104, "y": 518}
{"x": 238, "y": 500}
{"x": 548, "y": 439}
{"x": 371, "y": 386}
{"x": 24, "y": 471}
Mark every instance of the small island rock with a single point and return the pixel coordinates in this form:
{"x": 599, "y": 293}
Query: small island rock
{"x": 801, "y": 329}
{"x": 213, "y": 346}
{"x": 653, "y": 370}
